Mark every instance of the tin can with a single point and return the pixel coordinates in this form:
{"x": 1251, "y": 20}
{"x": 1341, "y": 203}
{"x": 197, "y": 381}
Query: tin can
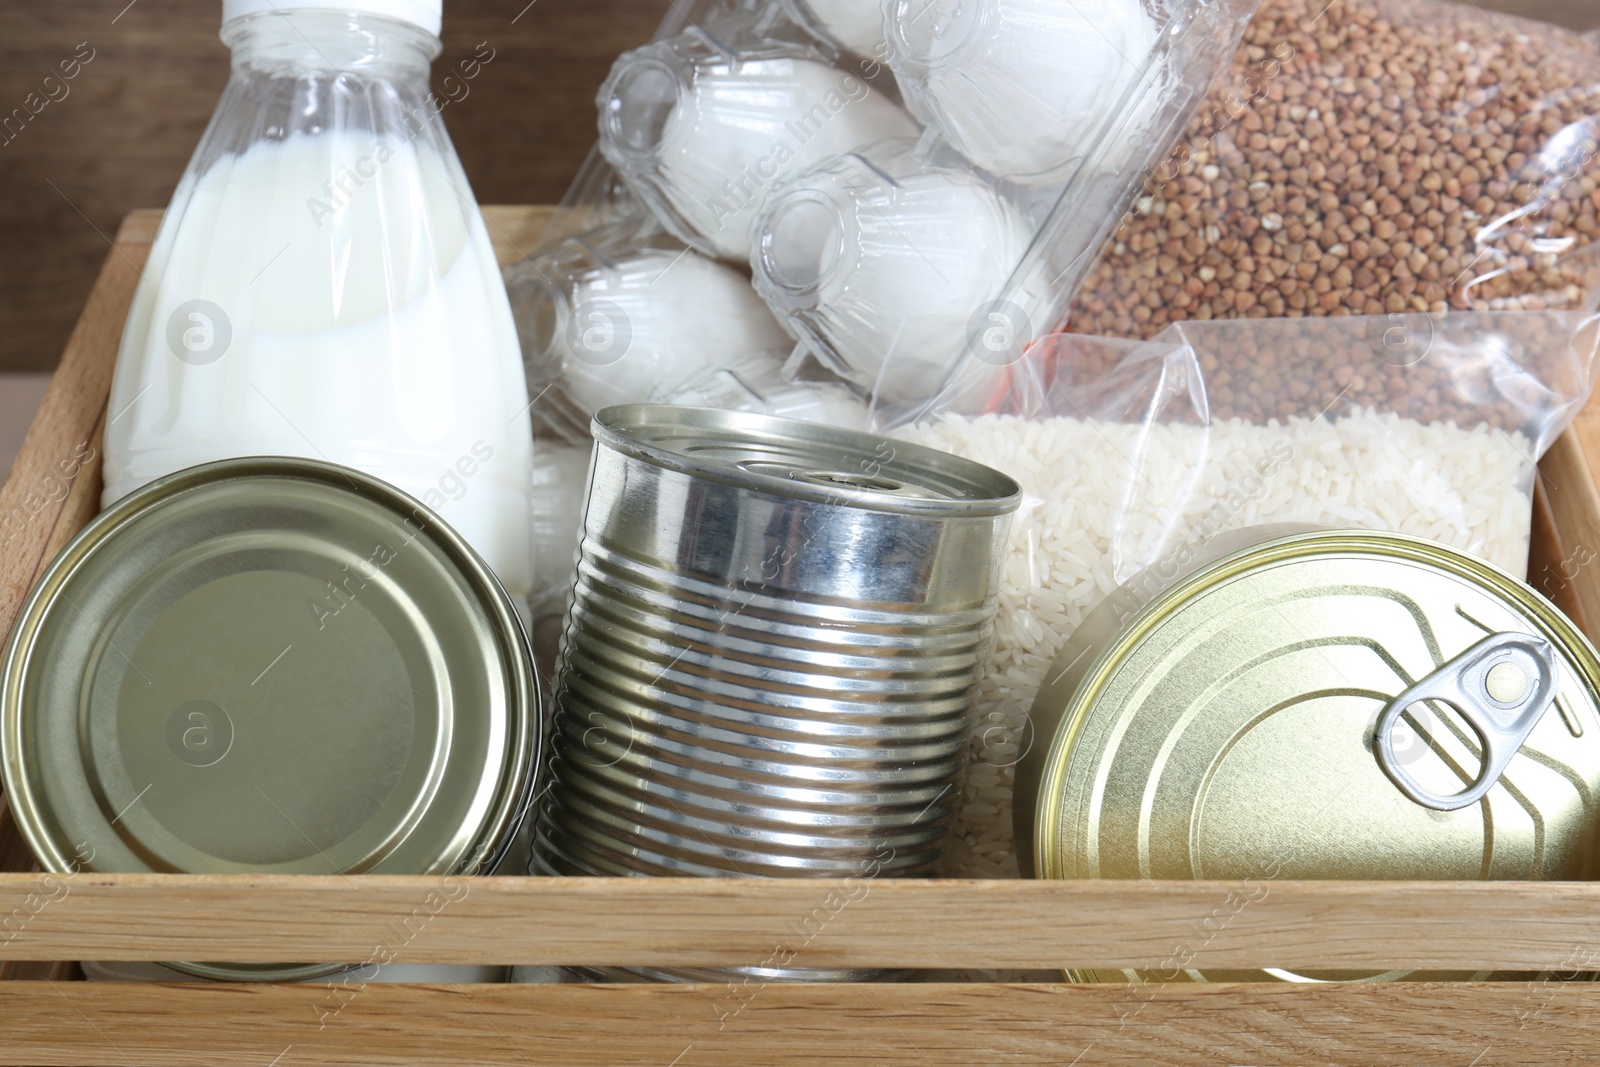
{"x": 1293, "y": 703}
{"x": 772, "y": 652}
{"x": 269, "y": 666}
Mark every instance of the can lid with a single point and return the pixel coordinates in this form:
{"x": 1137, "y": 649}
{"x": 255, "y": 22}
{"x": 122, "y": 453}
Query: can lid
{"x": 427, "y": 14}
{"x": 1321, "y": 705}
{"x": 268, "y": 666}
{"x": 807, "y": 461}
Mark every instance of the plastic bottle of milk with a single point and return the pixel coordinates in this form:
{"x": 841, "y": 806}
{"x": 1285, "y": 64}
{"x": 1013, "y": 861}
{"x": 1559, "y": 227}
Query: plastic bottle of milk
{"x": 323, "y": 286}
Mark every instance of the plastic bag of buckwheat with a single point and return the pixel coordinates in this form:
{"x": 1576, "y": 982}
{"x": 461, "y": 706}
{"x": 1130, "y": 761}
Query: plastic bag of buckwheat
{"x": 1369, "y": 157}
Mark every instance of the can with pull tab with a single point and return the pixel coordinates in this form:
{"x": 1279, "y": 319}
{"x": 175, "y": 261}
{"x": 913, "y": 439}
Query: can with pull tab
{"x": 1502, "y": 687}
{"x": 1293, "y": 703}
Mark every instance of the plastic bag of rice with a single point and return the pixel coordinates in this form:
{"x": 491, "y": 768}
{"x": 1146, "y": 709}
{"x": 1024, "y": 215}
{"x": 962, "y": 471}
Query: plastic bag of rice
{"x": 1121, "y": 462}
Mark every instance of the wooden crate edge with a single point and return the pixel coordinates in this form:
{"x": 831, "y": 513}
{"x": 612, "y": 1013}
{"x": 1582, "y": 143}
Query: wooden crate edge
{"x": 1183, "y": 1025}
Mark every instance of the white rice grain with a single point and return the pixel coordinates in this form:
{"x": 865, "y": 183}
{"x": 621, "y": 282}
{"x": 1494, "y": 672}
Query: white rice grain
{"x": 1098, "y": 506}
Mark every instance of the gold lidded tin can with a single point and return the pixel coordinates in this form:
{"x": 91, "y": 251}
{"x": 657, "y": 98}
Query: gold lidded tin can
{"x": 269, "y": 666}
{"x": 1286, "y": 702}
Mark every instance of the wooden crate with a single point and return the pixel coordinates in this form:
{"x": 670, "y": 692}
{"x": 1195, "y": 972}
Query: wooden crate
{"x": 48, "y": 1018}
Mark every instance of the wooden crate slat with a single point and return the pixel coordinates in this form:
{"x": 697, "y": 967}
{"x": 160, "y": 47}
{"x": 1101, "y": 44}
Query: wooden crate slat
{"x": 139, "y": 227}
{"x": 1550, "y": 562}
{"x": 34, "y": 511}
{"x": 1463, "y": 926}
{"x": 1568, "y": 477}
{"x": 515, "y": 229}
{"x": 867, "y": 1025}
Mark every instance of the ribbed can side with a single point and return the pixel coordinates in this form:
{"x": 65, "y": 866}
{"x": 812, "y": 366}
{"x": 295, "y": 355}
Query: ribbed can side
{"x": 756, "y": 682}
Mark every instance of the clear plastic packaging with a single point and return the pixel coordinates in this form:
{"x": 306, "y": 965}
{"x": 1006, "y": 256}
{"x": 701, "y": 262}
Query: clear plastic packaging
{"x": 1067, "y": 210}
{"x": 1023, "y": 87}
{"x": 703, "y": 124}
{"x": 853, "y": 25}
{"x": 882, "y": 259}
{"x": 616, "y": 316}
{"x": 709, "y": 122}
{"x": 323, "y": 286}
{"x": 1125, "y": 460}
{"x": 760, "y": 384}
{"x": 1369, "y": 157}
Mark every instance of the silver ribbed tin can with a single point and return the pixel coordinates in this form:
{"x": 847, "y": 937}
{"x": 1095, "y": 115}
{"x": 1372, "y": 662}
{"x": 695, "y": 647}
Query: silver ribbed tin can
{"x": 772, "y": 652}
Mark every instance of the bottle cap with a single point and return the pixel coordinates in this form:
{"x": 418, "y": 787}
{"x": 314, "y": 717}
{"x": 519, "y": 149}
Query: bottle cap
{"x": 424, "y": 13}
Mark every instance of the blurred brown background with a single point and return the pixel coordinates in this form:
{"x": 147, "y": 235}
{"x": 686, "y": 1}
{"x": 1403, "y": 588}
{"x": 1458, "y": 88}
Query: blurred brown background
{"x": 120, "y": 139}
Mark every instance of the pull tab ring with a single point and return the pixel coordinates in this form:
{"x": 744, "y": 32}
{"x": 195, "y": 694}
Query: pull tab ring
{"x": 1502, "y": 685}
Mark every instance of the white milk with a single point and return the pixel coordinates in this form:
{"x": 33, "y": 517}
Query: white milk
{"x": 369, "y": 327}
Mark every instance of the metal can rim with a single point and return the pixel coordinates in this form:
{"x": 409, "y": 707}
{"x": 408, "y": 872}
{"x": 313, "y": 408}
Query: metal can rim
{"x": 514, "y": 793}
{"x": 1068, "y": 724}
{"x": 994, "y": 493}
